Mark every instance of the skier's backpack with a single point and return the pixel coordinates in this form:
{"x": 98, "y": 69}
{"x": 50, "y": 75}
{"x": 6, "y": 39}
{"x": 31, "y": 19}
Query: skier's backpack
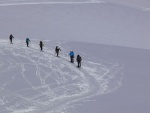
{"x": 27, "y": 40}
{"x": 57, "y": 49}
{"x": 79, "y": 58}
{"x": 41, "y": 43}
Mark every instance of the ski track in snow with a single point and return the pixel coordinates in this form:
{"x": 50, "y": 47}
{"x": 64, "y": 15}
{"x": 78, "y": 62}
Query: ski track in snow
{"x": 39, "y": 82}
{"x": 32, "y": 2}
{"x": 37, "y": 2}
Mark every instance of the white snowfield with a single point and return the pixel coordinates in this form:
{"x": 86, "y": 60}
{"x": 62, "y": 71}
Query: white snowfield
{"x": 96, "y": 21}
{"x": 32, "y": 81}
{"x": 113, "y": 38}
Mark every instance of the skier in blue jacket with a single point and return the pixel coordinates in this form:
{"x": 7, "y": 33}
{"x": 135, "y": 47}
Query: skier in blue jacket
{"x": 71, "y": 56}
{"x": 27, "y": 41}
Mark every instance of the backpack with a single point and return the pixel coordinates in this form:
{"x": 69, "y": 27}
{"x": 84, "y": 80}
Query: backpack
{"x": 41, "y": 43}
{"x": 57, "y": 49}
{"x": 79, "y": 58}
{"x": 27, "y": 40}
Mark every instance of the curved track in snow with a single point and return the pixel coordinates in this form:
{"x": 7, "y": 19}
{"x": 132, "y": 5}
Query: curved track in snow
{"x": 33, "y": 2}
{"x": 33, "y": 82}
{"x": 37, "y": 2}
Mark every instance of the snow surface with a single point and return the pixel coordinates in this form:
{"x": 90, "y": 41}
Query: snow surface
{"x": 133, "y": 96}
{"x": 35, "y": 81}
{"x": 114, "y": 78}
{"x": 134, "y": 3}
{"x": 97, "y": 22}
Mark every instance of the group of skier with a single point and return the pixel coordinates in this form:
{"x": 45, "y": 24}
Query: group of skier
{"x": 71, "y": 54}
{"x": 57, "y": 50}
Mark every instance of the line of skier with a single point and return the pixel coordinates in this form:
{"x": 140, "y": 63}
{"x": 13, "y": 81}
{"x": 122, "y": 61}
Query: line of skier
{"x": 57, "y": 50}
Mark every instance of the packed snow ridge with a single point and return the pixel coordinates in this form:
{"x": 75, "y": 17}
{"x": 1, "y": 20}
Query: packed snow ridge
{"x": 29, "y": 2}
{"x": 32, "y": 81}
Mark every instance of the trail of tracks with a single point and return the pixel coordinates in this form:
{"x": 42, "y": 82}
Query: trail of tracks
{"x": 33, "y": 82}
{"x": 36, "y": 2}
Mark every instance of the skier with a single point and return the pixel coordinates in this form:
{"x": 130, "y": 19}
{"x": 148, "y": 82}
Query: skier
{"x": 57, "y": 49}
{"x": 27, "y": 41}
{"x": 71, "y": 56}
{"x": 79, "y": 60}
{"x": 41, "y": 45}
{"x": 11, "y": 37}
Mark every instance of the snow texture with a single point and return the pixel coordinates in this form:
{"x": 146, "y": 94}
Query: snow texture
{"x": 113, "y": 78}
{"x": 34, "y": 81}
{"x": 93, "y": 21}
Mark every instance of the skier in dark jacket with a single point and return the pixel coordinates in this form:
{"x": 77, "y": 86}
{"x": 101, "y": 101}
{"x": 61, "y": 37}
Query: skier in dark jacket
{"x": 27, "y": 41}
{"x": 57, "y": 49}
{"x": 11, "y": 37}
{"x": 79, "y": 60}
{"x": 41, "y": 45}
{"x": 71, "y": 56}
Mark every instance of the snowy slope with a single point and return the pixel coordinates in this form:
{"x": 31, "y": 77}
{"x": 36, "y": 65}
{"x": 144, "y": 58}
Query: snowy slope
{"x": 99, "y": 22}
{"x": 33, "y": 82}
{"x": 133, "y": 95}
{"x": 113, "y": 79}
{"x": 142, "y": 4}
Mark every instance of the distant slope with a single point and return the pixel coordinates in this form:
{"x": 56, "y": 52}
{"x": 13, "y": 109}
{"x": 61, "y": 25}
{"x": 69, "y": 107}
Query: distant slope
{"x": 86, "y": 21}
